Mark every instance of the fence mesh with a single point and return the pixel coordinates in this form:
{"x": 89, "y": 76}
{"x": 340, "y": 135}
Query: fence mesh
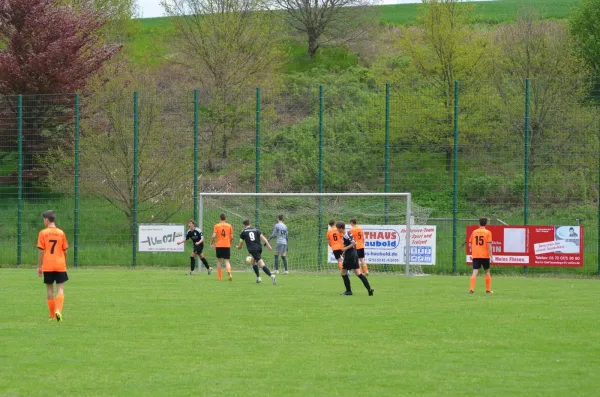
{"x": 527, "y": 153}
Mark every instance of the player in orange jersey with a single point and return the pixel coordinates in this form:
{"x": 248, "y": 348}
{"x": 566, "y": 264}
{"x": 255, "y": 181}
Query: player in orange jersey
{"x": 359, "y": 237}
{"x": 223, "y": 235}
{"x": 480, "y": 244}
{"x": 336, "y": 242}
{"x": 52, "y": 263}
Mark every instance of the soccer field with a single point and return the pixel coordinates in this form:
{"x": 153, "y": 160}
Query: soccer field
{"x": 153, "y": 332}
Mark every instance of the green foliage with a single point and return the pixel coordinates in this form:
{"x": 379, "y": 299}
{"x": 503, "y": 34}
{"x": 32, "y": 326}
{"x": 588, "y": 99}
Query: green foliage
{"x": 585, "y": 29}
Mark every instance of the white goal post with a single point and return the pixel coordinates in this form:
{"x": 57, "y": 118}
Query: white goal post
{"x": 230, "y": 203}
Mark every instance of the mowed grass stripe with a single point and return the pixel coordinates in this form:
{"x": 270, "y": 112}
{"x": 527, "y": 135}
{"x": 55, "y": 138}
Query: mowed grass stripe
{"x": 161, "y": 333}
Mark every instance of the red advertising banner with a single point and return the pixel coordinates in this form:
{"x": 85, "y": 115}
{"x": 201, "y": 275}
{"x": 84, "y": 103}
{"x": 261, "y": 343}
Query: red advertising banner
{"x": 551, "y": 246}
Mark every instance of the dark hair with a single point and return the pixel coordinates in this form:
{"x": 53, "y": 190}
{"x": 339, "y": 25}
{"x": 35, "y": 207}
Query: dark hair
{"x": 483, "y": 221}
{"x": 280, "y": 217}
{"x": 246, "y": 222}
{"x": 353, "y": 221}
{"x": 50, "y": 215}
{"x": 340, "y": 225}
{"x": 571, "y": 229}
{"x": 193, "y": 221}
{"x": 222, "y": 217}
{"x": 331, "y": 223}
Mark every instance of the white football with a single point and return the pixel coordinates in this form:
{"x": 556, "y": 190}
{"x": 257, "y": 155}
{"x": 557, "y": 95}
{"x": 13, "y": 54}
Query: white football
{"x": 249, "y": 260}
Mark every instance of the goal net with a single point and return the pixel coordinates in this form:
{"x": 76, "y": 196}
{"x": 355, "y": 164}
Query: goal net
{"x": 385, "y": 217}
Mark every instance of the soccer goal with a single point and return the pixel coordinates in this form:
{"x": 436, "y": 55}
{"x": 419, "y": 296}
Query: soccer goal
{"x": 385, "y": 217}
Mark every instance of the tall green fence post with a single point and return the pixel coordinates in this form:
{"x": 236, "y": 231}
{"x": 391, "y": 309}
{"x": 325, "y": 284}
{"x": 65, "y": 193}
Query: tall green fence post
{"x": 196, "y": 128}
{"x": 320, "y": 233}
{"x": 76, "y": 211}
{"x": 257, "y": 162}
{"x": 135, "y": 176}
{"x": 455, "y": 183}
{"x": 526, "y": 166}
{"x": 598, "y": 217}
{"x": 20, "y": 180}
{"x": 386, "y": 166}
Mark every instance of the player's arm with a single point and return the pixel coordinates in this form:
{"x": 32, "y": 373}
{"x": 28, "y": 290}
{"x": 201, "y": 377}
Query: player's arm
{"x": 352, "y": 243}
{"x": 263, "y": 238}
{"x": 274, "y": 232}
{"x": 489, "y": 245}
{"x": 240, "y": 244}
{"x": 187, "y": 236}
{"x": 212, "y": 239}
{"x": 201, "y": 240}
{"x": 40, "y": 261}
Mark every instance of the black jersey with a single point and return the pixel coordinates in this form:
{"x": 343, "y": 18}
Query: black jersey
{"x": 252, "y": 238}
{"x": 348, "y": 239}
{"x": 195, "y": 235}
{"x": 351, "y": 255}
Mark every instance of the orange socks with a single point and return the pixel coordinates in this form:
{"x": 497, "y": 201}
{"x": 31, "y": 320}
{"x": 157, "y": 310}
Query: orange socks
{"x": 340, "y": 266}
{"x": 60, "y": 300}
{"x": 220, "y": 274}
{"x": 488, "y": 282}
{"x": 51, "y": 307}
{"x": 365, "y": 268}
{"x": 473, "y": 281}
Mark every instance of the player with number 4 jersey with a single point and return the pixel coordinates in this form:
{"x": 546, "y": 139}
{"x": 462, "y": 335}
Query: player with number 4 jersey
{"x": 253, "y": 237}
{"x": 223, "y": 236}
{"x": 480, "y": 245}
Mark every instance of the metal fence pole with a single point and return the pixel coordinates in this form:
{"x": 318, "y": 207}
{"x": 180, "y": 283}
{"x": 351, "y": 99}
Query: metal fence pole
{"x": 76, "y": 211}
{"x": 455, "y": 182}
{"x": 135, "y": 177}
{"x": 196, "y": 127}
{"x": 386, "y": 167}
{"x": 320, "y": 233}
{"x": 526, "y": 170}
{"x": 257, "y": 163}
{"x": 20, "y": 181}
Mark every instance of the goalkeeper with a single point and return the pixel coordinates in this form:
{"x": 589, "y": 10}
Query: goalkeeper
{"x": 280, "y": 230}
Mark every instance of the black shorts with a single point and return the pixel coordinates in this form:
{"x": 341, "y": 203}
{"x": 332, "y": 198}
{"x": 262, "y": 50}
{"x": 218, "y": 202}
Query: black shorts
{"x": 223, "y": 253}
{"x": 479, "y": 262}
{"x": 337, "y": 254}
{"x": 361, "y": 253}
{"x": 256, "y": 255}
{"x": 55, "y": 277}
{"x": 198, "y": 249}
{"x": 351, "y": 260}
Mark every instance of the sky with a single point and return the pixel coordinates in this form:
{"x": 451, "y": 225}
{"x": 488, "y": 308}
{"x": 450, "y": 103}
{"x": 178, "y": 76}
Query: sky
{"x": 152, "y": 8}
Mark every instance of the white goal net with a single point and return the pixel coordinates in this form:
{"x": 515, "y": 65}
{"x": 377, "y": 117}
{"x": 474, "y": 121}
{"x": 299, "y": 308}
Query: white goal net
{"x": 307, "y": 215}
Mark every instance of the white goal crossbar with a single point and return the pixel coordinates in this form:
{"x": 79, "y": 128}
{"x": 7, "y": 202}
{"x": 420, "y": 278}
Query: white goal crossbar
{"x": 257, "y": 195}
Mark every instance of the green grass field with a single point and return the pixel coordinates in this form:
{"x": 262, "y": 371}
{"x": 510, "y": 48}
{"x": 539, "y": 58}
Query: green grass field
{"x": 161, "y": 333}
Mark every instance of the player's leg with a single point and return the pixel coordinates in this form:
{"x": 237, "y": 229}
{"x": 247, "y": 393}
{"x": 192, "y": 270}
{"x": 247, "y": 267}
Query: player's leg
{"x": 284, "y": 259}
{"x": 276, "y": 260}
{"x": 61, "y": 278}
{"x": 205, "y": 263}
{"x": 192, "y": 263}
{"x": 344, "y": 274}
{"x": 473, "y": 280}
{"x": 227, "y": 264}
{"x": 488, "y": 277}
{"x": 256, "y": 271}
{"x": 264, "y": 267}
{"x": 363, "y": 278}
{"x": 362, "y": 261}
{"x": 50, "y": 296}
{"x": 219, "y": 269}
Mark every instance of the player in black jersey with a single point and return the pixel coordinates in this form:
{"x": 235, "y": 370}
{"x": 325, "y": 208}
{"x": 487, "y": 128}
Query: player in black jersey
{"x": 197, "y": 238}
{"x": 351, "y": 261}
{"x": 253, "y": 237}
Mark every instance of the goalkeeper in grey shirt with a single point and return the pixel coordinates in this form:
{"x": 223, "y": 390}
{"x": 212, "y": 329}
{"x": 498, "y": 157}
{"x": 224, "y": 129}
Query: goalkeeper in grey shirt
{"x": 280, "y": 230}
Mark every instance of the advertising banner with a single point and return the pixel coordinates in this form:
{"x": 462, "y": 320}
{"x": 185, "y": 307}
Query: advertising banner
{"x": 385, "y": 244}
{"x": 553, "y": 246}
{"x": 160, "y": 238}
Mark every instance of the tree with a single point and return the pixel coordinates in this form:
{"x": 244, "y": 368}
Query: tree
{"x": 228, "y": 47}
{"x": 585, "y": 29}
{"x": 120, "y": 14}
{"x": 444, "y": 49}
{"x": 47, "y": 49}
{"x": 107, "y": 147}
{"x": 326, "y": 21}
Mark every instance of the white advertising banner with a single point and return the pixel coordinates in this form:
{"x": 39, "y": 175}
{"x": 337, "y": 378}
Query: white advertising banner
{"x": 160, "y": 238}
{"x": 385, "y": 244}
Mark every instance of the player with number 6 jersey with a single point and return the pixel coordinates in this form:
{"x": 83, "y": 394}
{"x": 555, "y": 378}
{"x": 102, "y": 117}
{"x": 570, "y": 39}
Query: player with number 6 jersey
{"x": 336, "y": 242}
{"x": 480, "y": 245}
{"x": 253, "y": 237}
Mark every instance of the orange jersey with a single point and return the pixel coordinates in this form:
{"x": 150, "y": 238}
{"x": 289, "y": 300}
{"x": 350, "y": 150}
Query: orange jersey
{"x": 224, "y": 232}
{"x": 359, "y": 237}
{"x": 336, "y": 239}
{"x": 479, "y": 242}
{"x": 53, "y": 242}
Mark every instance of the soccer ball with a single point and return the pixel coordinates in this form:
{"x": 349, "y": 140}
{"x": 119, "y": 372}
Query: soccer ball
{"x": 249, "y": 260}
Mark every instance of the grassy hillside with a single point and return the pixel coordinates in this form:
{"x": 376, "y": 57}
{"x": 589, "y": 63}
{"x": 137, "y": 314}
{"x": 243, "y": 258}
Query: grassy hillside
{"x": 148, "y": 46}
